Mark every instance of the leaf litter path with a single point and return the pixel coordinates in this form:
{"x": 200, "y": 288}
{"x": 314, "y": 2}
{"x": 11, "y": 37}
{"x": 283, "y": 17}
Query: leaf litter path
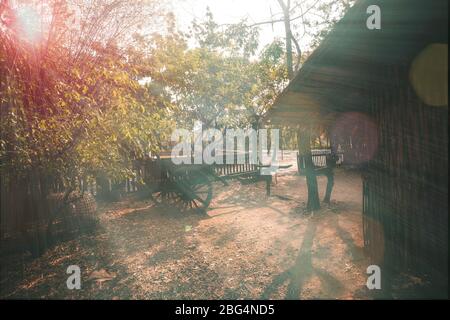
{"x": 248, "y": 246}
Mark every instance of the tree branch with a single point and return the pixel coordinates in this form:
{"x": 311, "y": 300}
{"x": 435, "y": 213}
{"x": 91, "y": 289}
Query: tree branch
{"x": 282, "y": 20}
{"x": 299, "y": 52}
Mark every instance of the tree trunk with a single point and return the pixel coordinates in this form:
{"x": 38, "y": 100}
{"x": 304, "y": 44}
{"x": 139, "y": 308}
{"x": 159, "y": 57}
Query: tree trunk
{"x": 330, "y": 184}
{"x": 289, "y": 63}
{"x": 313, "y": 191}
{"x": 287, "y": 28}
{"x": 313, "y": 202}
{"x": 330, "y": 164}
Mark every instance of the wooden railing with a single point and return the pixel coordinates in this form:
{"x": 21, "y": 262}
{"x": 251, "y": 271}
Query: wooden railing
{"x": 321, "y": 158}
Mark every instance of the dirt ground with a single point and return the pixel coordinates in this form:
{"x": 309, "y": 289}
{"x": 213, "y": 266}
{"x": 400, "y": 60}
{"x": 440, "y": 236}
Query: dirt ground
{"x": 248, "y": 246}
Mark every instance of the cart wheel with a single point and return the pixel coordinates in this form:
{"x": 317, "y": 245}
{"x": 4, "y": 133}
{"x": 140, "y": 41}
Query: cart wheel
{"x": 195, "y": 192}
{"x": 172, "y": 197}
{"x": 201, "y": 196}
{"x": 163, "y": 197}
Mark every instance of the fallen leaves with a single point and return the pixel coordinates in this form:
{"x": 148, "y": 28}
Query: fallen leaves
{"x": 159, "y": 254}
{"x": 101, "y": 275}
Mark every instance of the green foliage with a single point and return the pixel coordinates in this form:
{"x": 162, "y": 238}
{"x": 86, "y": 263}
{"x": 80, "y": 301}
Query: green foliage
{"x": 220, "y": 82}
{"x": 235, "y": 39}
{"x": 84, "y": 102}
{"x": 71, "y": 113}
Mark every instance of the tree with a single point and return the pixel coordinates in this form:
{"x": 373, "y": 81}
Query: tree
{"x": 317, "y": 18}
{"x": 71, "y": 103}
{"x": 269, "y": 77}
{"x": 218, "y": 82}
{"x": 328, "y": 14}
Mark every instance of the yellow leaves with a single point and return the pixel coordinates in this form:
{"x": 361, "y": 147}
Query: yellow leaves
{"x": 71, "y": 96}
{"x": 96, "y": 108}
{"x": 128, "y": 135}
{"x": 114, "y": 94}
{"x": 85, "y": 89}
{"x": 42, "y": 125}
{"x": 76, "y": 73}
{"x": 62, "y": 104}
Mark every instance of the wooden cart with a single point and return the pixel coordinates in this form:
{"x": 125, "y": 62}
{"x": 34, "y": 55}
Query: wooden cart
{"x": 190, "y": 186}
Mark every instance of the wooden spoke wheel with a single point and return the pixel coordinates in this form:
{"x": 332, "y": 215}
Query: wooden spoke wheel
{"x": 195, "y": 191}
{"x": 162, "y": 197}
{"x": 199, "y": 196}
{"x": 184, "y": 195}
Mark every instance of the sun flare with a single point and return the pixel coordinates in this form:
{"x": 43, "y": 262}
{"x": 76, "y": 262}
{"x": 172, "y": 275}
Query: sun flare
{"x": 29, "y": 24}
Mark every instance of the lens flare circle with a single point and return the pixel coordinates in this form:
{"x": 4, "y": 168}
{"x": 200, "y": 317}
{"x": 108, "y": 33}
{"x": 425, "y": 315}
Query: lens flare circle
{"x": 429, "y": 75}
{"x": 357, "y": 134}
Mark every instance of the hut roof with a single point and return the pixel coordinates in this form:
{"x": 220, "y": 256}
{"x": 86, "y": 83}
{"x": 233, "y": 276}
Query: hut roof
{"x": 337, "y": 74}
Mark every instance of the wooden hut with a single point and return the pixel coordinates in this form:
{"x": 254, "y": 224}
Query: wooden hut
{"x": 391, "y": 84}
